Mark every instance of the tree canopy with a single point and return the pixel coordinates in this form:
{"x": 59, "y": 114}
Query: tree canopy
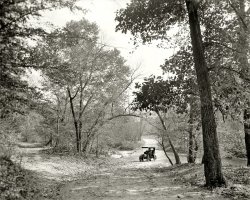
{"x": 17, "y": 54}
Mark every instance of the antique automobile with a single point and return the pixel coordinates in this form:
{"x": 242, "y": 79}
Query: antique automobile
{"x": 148, "y": 154}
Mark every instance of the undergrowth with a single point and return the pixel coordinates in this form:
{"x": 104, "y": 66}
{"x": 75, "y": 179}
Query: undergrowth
{"x": 238, "y": 179}
{"x": 16, "y": 183}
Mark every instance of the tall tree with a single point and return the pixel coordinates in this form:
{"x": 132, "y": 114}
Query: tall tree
{"x": 152, "y": 19}
{"x": 94, "y": 76}
{"x": 212, "y": 160}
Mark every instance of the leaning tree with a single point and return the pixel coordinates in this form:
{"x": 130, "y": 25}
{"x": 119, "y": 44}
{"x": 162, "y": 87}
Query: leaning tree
{"x": 157, "y": 95}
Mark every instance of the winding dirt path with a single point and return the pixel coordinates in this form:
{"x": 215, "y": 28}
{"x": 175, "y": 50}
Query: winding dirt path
{"x": 130, "y": 179}
{"x": 120, "y": 177}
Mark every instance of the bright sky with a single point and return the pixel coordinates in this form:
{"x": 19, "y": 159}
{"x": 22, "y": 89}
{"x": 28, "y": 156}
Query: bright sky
{"x": 102, "y": 12}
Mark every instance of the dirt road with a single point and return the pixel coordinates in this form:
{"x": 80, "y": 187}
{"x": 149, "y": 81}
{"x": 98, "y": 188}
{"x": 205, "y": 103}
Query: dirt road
{"x": 120, "y": 177}
{"x": 130, "y": 179}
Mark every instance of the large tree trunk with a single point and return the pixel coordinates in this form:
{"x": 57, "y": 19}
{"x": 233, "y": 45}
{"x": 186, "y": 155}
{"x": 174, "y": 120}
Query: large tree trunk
{"x": 212, "y": 160}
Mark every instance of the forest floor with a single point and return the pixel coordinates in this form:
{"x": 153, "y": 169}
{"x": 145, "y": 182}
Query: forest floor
{"x": 123, "y": 177}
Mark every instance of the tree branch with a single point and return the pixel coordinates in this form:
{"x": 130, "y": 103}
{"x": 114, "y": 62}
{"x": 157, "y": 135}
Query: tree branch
{"x": 238, "y": 14}
{"x": 224, "y": 45}
{"x": 123, "y": 115}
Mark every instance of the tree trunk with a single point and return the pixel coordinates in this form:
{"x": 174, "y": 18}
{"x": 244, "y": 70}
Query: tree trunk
{"x": 176, "y": 155}
{"x": 165, "y": 152}
{"x": 247, "y": 133}
{"x": 196, "y": 147}
{"x": 78, "y": 142}
{"x": 97, "y": 147}
{"x": 80, "y": 136}
{"x": 212, "y": 160}
{"x": 57, "y": 120}
{"x": 80, "y": 115}
{"x": 86, "y": 144}
{"x": 191, "y": 142}
{"x": 50, "y": 140}
{"x": 191, "y": 157}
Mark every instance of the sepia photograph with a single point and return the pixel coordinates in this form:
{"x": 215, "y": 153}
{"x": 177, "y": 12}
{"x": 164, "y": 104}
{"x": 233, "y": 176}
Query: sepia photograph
{"x": 124, "y": 99}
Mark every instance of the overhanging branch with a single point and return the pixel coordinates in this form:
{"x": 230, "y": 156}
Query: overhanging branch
{"x": 124, "y": 115}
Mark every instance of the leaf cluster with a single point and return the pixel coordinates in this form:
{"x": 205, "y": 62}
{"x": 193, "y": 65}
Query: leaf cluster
{"x": 150, "y": 19}
{"x": 155, "y": 94}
